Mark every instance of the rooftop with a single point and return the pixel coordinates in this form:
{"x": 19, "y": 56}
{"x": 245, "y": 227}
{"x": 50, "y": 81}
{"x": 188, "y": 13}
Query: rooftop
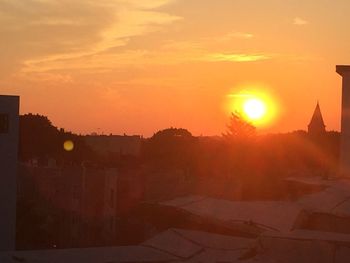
{"x": 281, "y": 240}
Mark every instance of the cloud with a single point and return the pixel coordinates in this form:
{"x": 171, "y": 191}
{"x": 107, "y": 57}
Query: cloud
{"x": 40, "y": 32}
{"x": 233, "y": 57}
{"x": 54, "y": 39}
{"x": 241, "y": 35}
{"x": 300, "y": 21}
{"x": 170, "y": 53}
{"x": 236, "y": 34}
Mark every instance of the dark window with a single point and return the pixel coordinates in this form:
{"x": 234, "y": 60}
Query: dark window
{"x": 4, "y": 123}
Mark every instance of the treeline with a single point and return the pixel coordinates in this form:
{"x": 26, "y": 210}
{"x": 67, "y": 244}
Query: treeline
{"x": 238, "y": 165}
{"x": 40, "y": 139}
{"x": 238, "y": 151}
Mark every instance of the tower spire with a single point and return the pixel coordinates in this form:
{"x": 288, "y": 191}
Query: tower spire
{"x": 316, "y": 125}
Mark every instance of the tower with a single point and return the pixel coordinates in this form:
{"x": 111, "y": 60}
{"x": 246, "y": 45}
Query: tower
{"x": 9, "y": 119}
{"x": 316, "y": 125}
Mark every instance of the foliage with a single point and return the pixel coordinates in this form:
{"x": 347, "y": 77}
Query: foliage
{"x": 239, "y": 129}
{"x": 171, "y": 148}
{"x": 40, "y": 139}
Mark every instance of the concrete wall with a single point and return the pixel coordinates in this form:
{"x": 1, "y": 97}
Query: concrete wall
{"x": 344, "y": 71}
{"x": 9, "y": 113}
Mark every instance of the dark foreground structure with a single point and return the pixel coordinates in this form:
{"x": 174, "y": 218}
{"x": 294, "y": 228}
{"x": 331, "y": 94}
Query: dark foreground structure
{"x": 9, "y": 118}
{"x": 311, "y": 226}
{"x": 344, "y": 71}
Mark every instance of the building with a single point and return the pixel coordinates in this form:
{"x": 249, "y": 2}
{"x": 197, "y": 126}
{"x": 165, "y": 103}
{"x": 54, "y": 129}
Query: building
{"x": 115, "y": 145}
{"x": 316, "y": 125}
{"x": 82, "y": 204}
{"x": 79, "y": 203}
{"x": 344, "y": 71}
{"x": 9, "y": 119}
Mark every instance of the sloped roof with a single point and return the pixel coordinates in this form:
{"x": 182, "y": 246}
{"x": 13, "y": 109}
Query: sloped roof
{"x": 304, "y": 234}
{"x": 333, "y": 200}
{"x": 88, "y": 255}
{"x": 288, "y": 249}
{"x": 174, "y": 244}
{"x": 215, "y": 241}
{"x": 276, "y": 215}
{"x": 199, "y": 246}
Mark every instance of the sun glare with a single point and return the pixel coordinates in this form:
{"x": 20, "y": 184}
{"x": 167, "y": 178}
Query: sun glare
{"x": 255, "y": 106}
{"x": 254, "y": 109}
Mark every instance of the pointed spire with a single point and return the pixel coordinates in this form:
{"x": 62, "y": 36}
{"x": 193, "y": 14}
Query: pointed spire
{"x": 316, "y": 125}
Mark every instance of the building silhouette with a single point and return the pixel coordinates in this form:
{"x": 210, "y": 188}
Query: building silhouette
{"x": 80, "y": 201}
{"x": 344, "y": 72}
{"x": 316, "y": 125}
{"x": 9, "y": 121}
{"x": 116, "y": 145}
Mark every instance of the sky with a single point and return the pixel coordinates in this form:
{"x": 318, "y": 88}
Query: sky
{"x": 138, "y": 66}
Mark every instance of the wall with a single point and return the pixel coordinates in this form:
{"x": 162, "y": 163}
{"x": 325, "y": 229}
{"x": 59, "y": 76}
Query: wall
{"x": 9, "y": 121}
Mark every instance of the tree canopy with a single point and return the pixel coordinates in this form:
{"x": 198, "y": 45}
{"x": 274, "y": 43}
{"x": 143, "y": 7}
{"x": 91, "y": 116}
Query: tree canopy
{"x": 238, "y": 128}
{"x": 40, "y": 139}
{"x": 172, "y": 147}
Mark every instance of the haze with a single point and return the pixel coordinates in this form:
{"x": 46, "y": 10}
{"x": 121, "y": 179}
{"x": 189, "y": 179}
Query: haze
{"x": 137, "y": 66}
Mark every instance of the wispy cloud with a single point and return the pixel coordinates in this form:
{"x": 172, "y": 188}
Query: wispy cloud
{"x": 237, "y": 34}
{"x": 298, "y": 21}
{"x": 48, "y": 31}
{"x": 233, "y": 57}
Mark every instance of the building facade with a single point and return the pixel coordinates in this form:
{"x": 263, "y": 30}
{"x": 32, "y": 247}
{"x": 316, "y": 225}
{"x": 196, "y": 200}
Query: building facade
{"x": 344, "y": 166}
{"x": 9, "y": 122}
{"x": 78, "y": 204}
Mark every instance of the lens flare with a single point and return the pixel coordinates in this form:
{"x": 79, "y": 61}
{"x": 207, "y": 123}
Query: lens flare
{"x": 68, "y": 145}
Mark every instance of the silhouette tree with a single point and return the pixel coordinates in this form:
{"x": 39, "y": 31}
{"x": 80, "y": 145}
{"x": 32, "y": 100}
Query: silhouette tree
{"x": 239, "y": 129}
{"x": 172, "y": 147}
{"x": 40, "y": 139}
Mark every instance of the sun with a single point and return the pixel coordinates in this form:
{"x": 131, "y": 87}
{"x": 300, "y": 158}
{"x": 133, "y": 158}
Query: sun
{"x": 255, "y": 105}
{"x": 254, "y": 109}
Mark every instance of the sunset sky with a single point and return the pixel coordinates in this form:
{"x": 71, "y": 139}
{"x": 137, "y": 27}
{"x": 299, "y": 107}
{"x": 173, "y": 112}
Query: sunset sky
{"x": 137, "y": 66}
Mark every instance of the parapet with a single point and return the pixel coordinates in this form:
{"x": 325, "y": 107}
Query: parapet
{"x": 343, "y": 69}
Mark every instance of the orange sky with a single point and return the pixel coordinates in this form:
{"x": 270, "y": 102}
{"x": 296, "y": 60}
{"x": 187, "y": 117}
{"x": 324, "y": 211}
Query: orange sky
{"x": 137, "y": 66}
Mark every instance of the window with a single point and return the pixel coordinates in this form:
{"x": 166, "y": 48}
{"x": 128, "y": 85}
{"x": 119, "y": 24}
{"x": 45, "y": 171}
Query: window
{"x": 4, "y": 123}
